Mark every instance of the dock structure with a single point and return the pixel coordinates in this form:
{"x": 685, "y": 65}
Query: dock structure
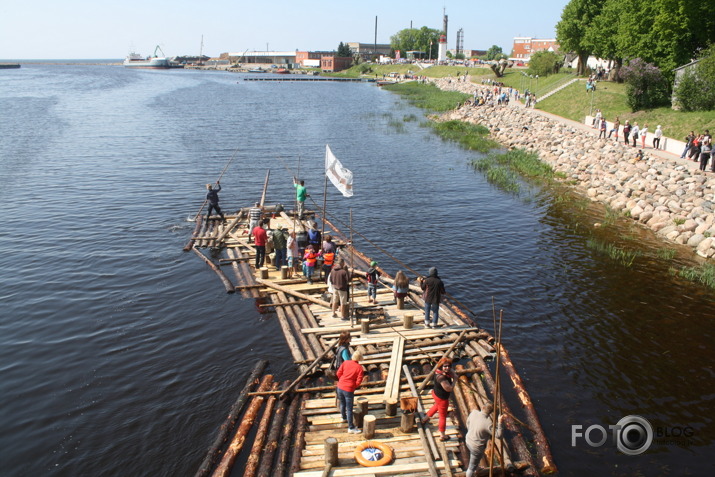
{"x": 307, "y": 78}
{"x": 300, "y": 431}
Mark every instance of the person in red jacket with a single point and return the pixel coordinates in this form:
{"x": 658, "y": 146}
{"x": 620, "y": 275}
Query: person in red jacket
{"x": 350, "y": 376}
{"x": 444, "y": 379}
{"x": 260, "y": 238}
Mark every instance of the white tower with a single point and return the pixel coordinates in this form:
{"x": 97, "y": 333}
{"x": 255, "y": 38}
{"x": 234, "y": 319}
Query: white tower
{"x": 442, "y": 51}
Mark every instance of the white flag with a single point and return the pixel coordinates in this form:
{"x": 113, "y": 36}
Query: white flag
{"x": 338, "y": 175}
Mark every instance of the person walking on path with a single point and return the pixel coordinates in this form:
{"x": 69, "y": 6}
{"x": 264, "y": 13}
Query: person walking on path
{"x": 212, "y": 198}
{"x": 479, "y": 431}
{"x": 350, "y": 376}
{"x": 656, "y": 137}
{"x": 688, "y": 144}
{"x": 300, "y": 195}
{"x": 616, "y": 127}
{"x": 433, "y": 289}
{"x": 602, "y": 129}
{"x": 634, "y": 133}
{"x": 260, "y": 238}
{"x": 626, "y": 132}
{"x": 643, "y": 132}
{"x": 443, "y": 384}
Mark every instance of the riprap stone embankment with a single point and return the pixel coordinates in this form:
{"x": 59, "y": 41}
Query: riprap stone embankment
{"x": 664, "y": 194}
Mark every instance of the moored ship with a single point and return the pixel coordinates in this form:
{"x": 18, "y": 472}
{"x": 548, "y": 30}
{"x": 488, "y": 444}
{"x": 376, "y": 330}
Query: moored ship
{"x": 135, "y": 60}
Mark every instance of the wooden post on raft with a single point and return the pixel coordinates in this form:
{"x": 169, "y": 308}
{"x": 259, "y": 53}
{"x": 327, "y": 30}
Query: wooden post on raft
{"x": 257, "y": 447}
{"x": 226, "y": 282}
{"x": 408, "y": 320}
{"x": 407, "y": 422}
{"x": 543, "y": 452}
{"x": 331, "y": 451}
{"x": 230, "y": 422}
{"x": 364, "y": 326}
{"x": 369, "y": 426}
{"x": 391, "y": 407}
{"x": 224, "y": 467}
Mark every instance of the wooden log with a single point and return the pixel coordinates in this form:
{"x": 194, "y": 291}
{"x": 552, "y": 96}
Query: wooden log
{"x": 241, "y": 280}
{"x": 543, "y": 451}
{"x": 269, "y": 450}
{"x": 328, "y": 469}
{"x": 257, "y": 448}
{"x": 226, "y": 282}
{"x": 369, "y": 426}
{"x": 407, "y": 422}
{"x": 229, "y": 457}
{"x": 302, "y": 321}
{"x": 247, "y": 274}
{"x": 391, "y": 407}
{"x": 222, "y": 236}
{"x": 288, "y": 334}
{"x": 517, "y": 438}
{"x": 287, "y": 436}
{"x": 228, "y": 425}
{"x": 428, "y": 452}
{"x": 190, "y": 245}
{"x": 289, "y": 291}
{"x": 263, "y": 273}
{"x": 295, "y": 326}
{"x": 364, "y": 326}
{"x": 299, "y": 444}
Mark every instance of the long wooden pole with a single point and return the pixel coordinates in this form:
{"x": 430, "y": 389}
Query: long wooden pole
{"x": 423, "y": 438}
{"x": 271, "y": 446}
{"x": 230, "y": 422}
{"x": 287, "y": 436}
{"x": 325, "y": 204}
{"x": 257, "y": 448}
{"x": 495, "y": 403}
{"x": 226, "y": 282}
{"x": 265, "y": 187}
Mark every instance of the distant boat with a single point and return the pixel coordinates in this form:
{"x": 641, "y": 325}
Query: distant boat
{"x": 135, "y": 60}
{"x": 282, "y": 71}
{"x": 7, "y": 66}
{"x": 257, "y": 70}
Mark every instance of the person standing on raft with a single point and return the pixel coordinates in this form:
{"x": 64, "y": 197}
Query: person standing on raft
{"x": 479, "y": 431}
{"x": 433, "y": 289}
{"x": 300, "y": 195}
{"x": 212, "y": 198}
{"x": 444, "y": 379}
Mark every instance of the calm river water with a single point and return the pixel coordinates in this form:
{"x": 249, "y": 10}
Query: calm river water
{"x": 120, "y": 354}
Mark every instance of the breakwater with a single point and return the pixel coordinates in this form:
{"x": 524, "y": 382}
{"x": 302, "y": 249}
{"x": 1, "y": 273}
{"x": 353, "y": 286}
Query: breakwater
{"x": 662, "y": 193}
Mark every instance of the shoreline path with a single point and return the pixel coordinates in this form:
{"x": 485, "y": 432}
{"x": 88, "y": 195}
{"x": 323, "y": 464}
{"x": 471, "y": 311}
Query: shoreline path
{"x": 667, "y": 194}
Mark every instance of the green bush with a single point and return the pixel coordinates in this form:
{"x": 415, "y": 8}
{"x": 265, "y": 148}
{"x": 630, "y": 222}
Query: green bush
{"x": 645, "y": 86}
{"x": 696, "y": 88}
{"x": 544, "y": 63}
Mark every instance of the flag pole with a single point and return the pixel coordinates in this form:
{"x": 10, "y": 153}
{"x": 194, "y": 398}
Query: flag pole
{"x": 325, "y": 193}
{"x": 352, "y": 267}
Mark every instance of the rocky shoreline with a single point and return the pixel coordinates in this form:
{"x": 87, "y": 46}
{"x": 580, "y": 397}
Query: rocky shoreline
{"x": 663, "y": 194}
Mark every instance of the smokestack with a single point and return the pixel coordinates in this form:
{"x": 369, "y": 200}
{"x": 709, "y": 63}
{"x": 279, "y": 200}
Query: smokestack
{"x": 375, "y": 51}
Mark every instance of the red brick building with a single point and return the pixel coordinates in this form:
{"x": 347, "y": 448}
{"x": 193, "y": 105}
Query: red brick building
{"x": 335, "y": 63}
{"x": 524, "y": 47}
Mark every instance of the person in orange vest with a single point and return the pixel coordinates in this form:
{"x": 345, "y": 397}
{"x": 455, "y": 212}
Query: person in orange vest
{"x": 328, "y": 260}
{"x": 309, "y": 260}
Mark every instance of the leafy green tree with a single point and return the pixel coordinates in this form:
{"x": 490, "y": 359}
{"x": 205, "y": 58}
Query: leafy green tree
{"x": 696, "y": 88}
{"x": 645, "y": 86}
{"x": 544, "y": 63}
{"x": 575, "y": 21}
{"x": 343, "y": 50}
{"x": 494, "y": 53}
{"x": 412, "y": 39}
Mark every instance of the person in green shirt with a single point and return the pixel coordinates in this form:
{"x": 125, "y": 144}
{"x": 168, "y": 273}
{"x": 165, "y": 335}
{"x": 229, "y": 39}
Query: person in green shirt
{"x": 300, "y": 194}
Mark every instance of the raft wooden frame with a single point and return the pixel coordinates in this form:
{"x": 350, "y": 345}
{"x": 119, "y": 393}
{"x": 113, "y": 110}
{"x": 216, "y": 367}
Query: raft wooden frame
{"x": 297, "y": 418}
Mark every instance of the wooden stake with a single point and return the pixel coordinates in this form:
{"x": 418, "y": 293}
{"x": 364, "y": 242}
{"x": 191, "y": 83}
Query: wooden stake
{"x": 369, "y": 426}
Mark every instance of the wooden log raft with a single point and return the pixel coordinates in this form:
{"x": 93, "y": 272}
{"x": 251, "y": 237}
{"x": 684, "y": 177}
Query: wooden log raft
{"x": 287, "y": 436}
{"x": 271, "y": 446}
{"x": 224, "y": 467}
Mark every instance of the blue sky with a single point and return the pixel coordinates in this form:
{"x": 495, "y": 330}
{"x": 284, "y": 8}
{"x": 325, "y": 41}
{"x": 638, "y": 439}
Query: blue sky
{"x": 83, "y": 29}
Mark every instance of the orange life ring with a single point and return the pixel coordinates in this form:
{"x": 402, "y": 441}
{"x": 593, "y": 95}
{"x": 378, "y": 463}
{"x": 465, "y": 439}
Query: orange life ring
{"x": 386, "y": 450}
